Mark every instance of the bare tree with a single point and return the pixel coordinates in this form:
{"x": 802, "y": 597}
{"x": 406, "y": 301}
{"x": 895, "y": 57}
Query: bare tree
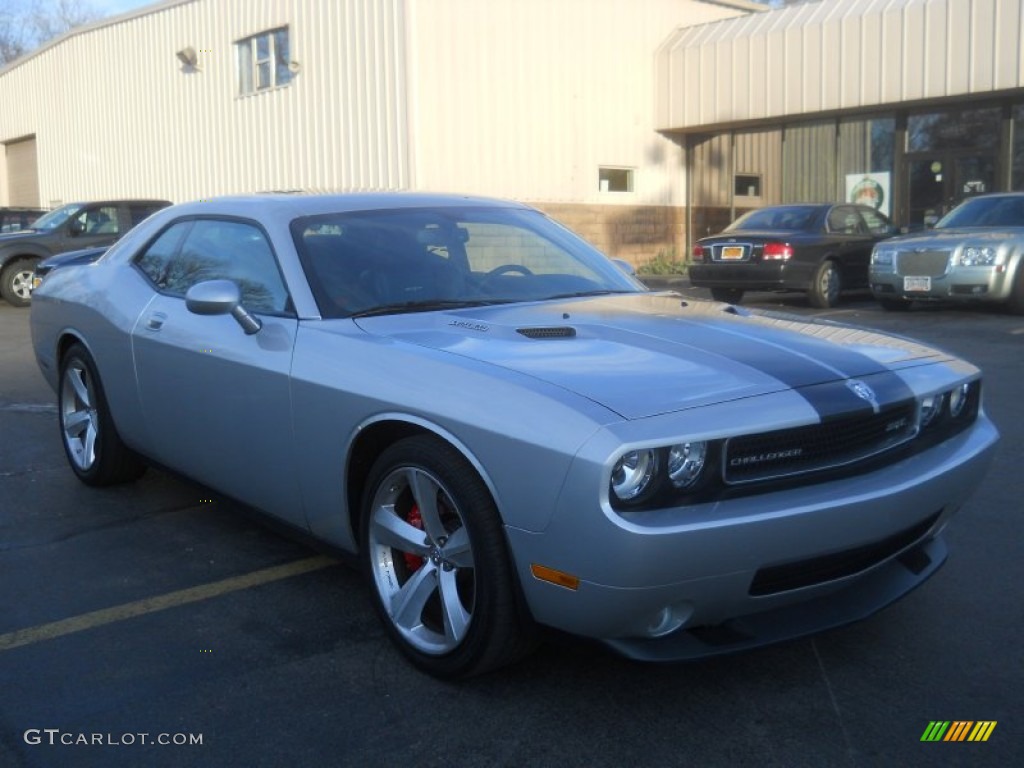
{"x": 26, "y": 24}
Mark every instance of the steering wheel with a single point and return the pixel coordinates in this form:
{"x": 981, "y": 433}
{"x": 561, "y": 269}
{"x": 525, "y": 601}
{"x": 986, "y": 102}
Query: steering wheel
{"x": 505, "y": 269}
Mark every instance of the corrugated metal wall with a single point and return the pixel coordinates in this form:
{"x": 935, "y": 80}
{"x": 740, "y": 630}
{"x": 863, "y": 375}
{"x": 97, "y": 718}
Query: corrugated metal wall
{"x": 114, "y": 113}
{"x": 516, "y": 98}
{"x": 838, "y": 54}
{"x": 528, "y": 98}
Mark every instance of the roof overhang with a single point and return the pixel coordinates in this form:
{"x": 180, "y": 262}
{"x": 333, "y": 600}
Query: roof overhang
{"x": 834, "y": 56}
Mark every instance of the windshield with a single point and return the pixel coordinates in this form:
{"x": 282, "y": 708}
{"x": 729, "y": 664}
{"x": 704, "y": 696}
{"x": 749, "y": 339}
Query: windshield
{"x": 418, "y": 259}
{"x": 996, "y": 211}
{"x": 56, "y": 217}
{"x": 786, "y": 218}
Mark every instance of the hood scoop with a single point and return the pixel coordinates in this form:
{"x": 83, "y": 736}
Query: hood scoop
{"x": 548, "y": 332}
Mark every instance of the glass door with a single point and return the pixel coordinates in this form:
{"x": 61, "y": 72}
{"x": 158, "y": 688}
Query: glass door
{"x": 941, "y": 180}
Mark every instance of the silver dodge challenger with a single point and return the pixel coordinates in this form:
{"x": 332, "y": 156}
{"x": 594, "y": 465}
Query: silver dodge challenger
{"x": 507, "y": 429}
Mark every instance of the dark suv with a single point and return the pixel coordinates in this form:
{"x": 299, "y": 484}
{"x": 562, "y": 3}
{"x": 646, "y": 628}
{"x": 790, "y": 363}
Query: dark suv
{"x": 68, "y": 228}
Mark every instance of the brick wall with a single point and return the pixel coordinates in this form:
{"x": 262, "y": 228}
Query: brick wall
{"x": 636, "y": 233}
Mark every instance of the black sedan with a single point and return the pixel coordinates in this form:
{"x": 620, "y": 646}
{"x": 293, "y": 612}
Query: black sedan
{"x": 819, "y": 249}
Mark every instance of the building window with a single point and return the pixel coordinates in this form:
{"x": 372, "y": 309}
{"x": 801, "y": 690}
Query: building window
{"x": 747, "y": 185}
{"x": 615, "y": 179}
{"x": 264, "y": 61}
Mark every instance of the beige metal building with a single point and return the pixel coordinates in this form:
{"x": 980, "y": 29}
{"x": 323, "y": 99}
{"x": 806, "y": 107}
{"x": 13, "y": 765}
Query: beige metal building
{"x": 640, "y": 123}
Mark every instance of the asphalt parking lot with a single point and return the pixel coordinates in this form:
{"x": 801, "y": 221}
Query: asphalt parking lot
{"x": 155, "y": 625}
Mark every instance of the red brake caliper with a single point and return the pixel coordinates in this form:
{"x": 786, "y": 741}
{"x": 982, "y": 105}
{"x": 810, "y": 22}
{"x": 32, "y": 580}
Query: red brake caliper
{"x": 415, "y": 519}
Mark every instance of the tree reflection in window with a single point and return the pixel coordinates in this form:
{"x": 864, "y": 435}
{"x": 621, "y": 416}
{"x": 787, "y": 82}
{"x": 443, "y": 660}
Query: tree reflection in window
{"x": 192, "y": 252}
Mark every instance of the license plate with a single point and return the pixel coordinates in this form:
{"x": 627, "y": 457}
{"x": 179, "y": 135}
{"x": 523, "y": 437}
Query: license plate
{"x": 732, "y": 252}
{"x": 917, "y": 284}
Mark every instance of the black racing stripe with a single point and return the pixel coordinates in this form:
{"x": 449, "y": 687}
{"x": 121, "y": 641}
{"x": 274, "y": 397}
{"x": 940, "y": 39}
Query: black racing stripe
{"x": 819, "y": 372}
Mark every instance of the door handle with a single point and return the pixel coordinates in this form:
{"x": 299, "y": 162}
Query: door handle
{"x": 156, "y": 321}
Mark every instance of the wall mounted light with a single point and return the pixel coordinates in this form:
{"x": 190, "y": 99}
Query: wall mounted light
{"x": 189, "y": 59}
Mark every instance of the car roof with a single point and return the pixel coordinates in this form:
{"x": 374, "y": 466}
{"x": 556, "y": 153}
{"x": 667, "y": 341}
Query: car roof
{"x": 295, "y": 205}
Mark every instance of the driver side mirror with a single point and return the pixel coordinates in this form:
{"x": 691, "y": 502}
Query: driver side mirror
{"x": 76, "y": 227}
{"x": 221, "y": 297}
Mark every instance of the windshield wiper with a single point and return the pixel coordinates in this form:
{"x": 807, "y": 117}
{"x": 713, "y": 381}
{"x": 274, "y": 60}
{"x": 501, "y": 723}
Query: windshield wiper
{"x": 426, "y": 305}
{"x": 596, "y": 292}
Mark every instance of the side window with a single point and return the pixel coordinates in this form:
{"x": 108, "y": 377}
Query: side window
{"x": 223, "y": 250}
{"x": 155, "y": 261}
{"x": 99, "y": 221}
{"x": 876, "y": 222}
{"x": 845, "y": 220}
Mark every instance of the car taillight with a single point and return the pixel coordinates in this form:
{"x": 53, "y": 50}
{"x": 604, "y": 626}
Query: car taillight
{"x": 777, "y": 252}
{"x": 698, "y": 253}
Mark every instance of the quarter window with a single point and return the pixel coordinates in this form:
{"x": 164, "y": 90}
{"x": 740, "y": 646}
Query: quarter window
{"x": 264, "y": 61}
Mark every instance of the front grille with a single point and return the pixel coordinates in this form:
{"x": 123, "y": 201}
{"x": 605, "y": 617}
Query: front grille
{"x": 818, "y": 570}
{"x": 922, "y": 263}
{"x": 833, "y": 443}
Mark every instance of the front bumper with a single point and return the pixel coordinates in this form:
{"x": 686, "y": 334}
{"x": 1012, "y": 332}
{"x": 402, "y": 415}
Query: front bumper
{"x": 958, "y": 284}
{"x": 680, "y": 583}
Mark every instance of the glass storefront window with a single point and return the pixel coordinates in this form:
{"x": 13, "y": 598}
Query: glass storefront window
{"x": 1018, "y": 147}
{"x": 953, "y": 130}
{"x": 866, "y": 162}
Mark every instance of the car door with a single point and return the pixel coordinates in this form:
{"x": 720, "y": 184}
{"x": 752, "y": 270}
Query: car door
{"x": 215, "y": 400}
{"x": 93, "y": 226}
{"x": 851, "y": 242}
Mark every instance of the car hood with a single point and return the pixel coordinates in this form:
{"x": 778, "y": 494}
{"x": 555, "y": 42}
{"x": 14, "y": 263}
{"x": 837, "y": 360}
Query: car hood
{"x": 646, "y": 354}
{"x": 21, "y": 234}
{"x": 950, "y": 237}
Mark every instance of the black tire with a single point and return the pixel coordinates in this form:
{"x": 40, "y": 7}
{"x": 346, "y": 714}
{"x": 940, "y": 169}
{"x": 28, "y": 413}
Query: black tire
{"x": 1015, "y": 303}
{"x": 894, "y": 305}
{"x": 727, "y": 295}
{"x": 91, "y": 443}
{"x": 16, "y": 282}
{"x": 825, "y": 285}
{"x": 451, "y": 604}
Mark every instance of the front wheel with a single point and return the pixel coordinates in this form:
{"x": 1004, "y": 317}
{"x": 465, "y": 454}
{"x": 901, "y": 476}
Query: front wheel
{"x": 93, "y": 447}
{"x": 825, "y": 286}
{"x": 16, "y": 282}
{"x": 1016, "y": 301}
{"x": 435, "y": 554}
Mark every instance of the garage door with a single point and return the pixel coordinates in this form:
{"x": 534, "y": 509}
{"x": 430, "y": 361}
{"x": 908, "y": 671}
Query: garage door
{"x": 22, "y": 172}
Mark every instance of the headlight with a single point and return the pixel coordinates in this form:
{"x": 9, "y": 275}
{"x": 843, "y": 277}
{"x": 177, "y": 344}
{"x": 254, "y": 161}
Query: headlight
{"x": 958, "y": 399}
{"x": 634, "y": 474}
{"x": 931, "y": 407}
{"x": 882, "y": 256}
{"x": 975, "y": 256}
{"x": 685, "y": 462}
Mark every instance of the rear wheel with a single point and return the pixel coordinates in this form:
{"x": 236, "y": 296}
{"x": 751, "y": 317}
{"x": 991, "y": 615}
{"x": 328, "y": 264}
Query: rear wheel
{"x": 435, "y": 554}
{"x": 728, "y": 295}
{"x": 91, "y": 443}
{"x": 825, "y": 286}
{"x": 16, "y": 282}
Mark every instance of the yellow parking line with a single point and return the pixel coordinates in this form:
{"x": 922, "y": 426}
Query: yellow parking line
{"x": 98, "y": 618}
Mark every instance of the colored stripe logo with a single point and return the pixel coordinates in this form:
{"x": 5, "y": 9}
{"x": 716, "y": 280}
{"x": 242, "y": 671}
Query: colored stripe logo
{"x": 958, "y": 730}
